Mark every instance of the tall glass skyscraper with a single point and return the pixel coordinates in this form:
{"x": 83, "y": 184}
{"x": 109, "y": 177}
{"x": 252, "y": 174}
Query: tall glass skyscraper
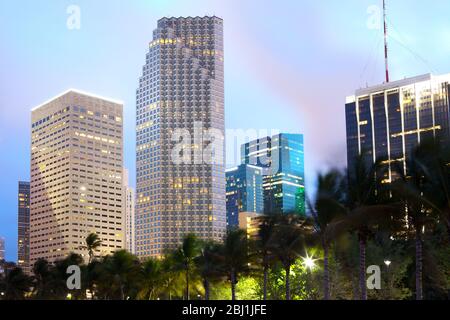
{"x": 244, "y": 192}
{"x": 387, "y": 121}
{"x": 181, "y": 89}
{"x": 282, "y": 159}
{"x": 23, "y": 231}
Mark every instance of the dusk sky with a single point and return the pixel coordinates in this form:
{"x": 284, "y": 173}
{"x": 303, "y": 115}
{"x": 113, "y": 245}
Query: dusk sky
{"x": 288, "y": 66}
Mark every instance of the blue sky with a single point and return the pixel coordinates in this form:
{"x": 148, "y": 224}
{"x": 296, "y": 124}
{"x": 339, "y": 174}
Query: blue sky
{"x": 288, "y": 65}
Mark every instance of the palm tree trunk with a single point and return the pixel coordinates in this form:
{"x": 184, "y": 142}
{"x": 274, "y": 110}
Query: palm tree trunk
{"x": 288, "y": 285}
{"x": 206, "y": 286}
{"x": 326, "y": 273}
{"x": 187, "y": 284}
{"x": 233, "y": 285}
{"x": 419, "y": 261}
{"x": 266, "y": 274}
{"x": 362, "y": 267}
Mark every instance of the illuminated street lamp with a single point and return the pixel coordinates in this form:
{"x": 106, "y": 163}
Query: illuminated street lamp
{"x": 309, "y": 262}
{"x": 387, "y": 263}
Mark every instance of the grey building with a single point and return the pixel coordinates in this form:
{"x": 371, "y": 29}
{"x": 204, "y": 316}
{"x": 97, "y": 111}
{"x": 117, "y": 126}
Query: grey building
{"x": 181, "y": 88}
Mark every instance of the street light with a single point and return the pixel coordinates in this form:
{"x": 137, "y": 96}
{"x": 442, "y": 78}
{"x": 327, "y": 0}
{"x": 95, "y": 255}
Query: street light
{"x": 388, "y": 263}
{"x": 309, "y": 262}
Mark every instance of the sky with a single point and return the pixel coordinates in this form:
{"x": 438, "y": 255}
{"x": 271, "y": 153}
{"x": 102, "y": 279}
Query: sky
{"x": 289, "y": 64}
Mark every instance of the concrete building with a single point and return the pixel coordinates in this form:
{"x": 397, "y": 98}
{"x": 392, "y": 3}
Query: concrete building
{"x": 385, "y": 122}
{"x": 181, "y": 90}
{"x": 130, "y": 216}
{"x": 23, "y": 227}
{"x": 76, "y": 176}
{"x": 2, "y": 248}
{"x": 250, "y": 222}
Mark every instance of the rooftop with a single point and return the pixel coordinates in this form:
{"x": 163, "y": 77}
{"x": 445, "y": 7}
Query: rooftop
{"x": 77, "y": 92}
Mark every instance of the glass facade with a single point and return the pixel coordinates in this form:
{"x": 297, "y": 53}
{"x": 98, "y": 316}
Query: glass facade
{"x": 23, "y": 235}
{"x": 386, "y": 122}
{"x": 244, "y": 192}
{"x": 182, "y": 83}
{"x": 282, "y": 159}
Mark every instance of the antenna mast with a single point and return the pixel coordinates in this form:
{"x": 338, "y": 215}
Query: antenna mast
{"x": 385, "y": 42}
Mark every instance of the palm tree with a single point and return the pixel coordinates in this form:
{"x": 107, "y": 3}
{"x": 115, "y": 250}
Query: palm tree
{"x": 263, "y": 247}
{"x": 288, "y": 241}
{"x": 93, "y": 242}
{"x": 207, "y": 266}
{"x": 416, "y": 188}
{"x": 366, "y": 209}
{"x": 327, "y": 207}
{"x": 42, "y": 279}
{"x": 119, "y": 274}
{"x": 151, "y": 271}
{"x": 14, "y": 284}
{"x": 233, "y": 257}
{"x": 184, "y": 257}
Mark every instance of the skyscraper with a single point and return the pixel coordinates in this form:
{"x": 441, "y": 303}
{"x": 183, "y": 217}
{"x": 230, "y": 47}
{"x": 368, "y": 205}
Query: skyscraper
{"x": 23, "y": 235}
{"x": 244, "y": 192}
{"x": 2, "y": 248}
{"x": 130, "y": 216}
{"x": 282, "y": 159}
{"x": 76, "y": 176}
{"x": 181, "y": 89}
{"x": 387, "y": 121}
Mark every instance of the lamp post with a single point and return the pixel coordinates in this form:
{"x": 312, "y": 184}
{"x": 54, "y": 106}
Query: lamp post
{"x": 388, "y": 263}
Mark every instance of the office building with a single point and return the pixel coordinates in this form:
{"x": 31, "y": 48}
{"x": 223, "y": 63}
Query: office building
{"x": 130, "y": 217}
{"x": 282, "y": 159}
{"x": 244, "y": 192}
{"x": 2, "y": 248}
{"x": 385, "y": 122}
{"x": 181, "y": 89}
{"x": 76, "y": 176}
{"x": 23, "y": 230}
{"x": 250, "y": 222}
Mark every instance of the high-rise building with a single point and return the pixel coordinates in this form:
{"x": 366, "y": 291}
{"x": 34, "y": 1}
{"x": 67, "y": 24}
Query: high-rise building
{"x": 130, "y": 217}
{"x": 385, "y": 122}
{"x": 244, "y": 192}
{"x": 181, "y": 90}
{"x": 76, "y": 176}
{"x": 2, "y": 248}
{"x": 250, "y": 222}
{"x": 282, "y": 159}
{"x": 23, "y": 232}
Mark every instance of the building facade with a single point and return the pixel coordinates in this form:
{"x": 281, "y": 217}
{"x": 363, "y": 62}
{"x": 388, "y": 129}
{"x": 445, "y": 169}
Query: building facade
{"x": 181, "y": 90}
{"x": 387, "y": 121}
{"x": 130, "y": 216}
{"x": 76, "y": 176}
{"x": 23, "y": 231}
{"x": 250, "y": 222}
{"x": 244, "y": 192}
{"x": 2, "y": 248}
{"x": 282, "y": 159}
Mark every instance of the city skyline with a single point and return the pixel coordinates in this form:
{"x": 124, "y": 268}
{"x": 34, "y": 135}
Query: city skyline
{"x": 16, "y": 122}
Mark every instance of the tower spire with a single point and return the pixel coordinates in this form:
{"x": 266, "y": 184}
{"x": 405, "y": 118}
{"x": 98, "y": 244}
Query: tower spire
{"x": 385, "y": 42}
